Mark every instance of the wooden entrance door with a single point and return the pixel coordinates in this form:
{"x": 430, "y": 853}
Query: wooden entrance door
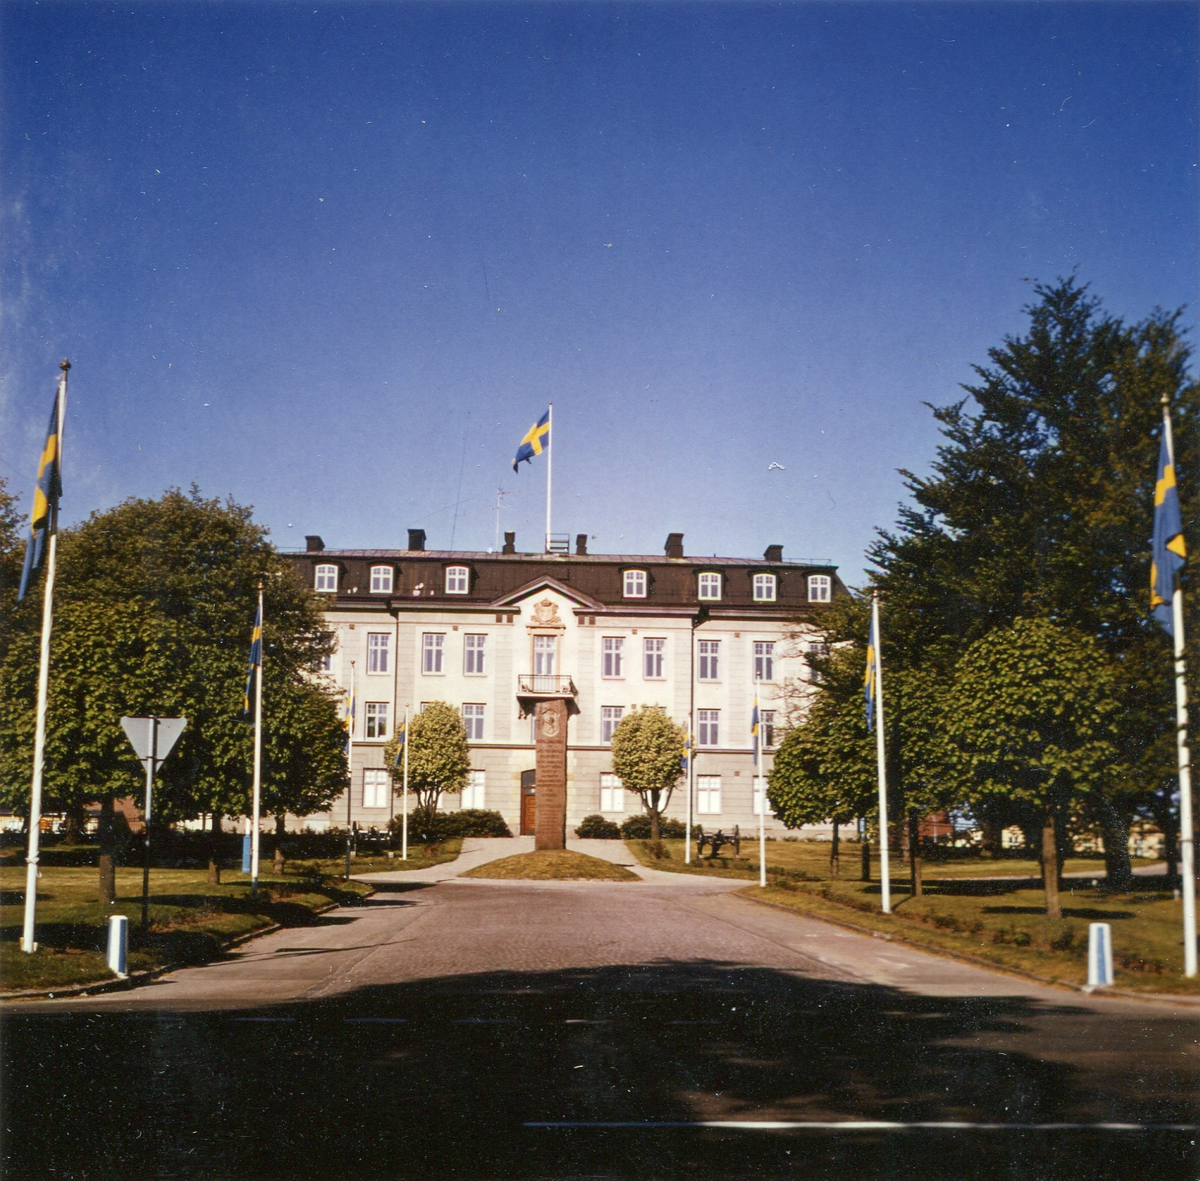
{"x": 528, "y": 803}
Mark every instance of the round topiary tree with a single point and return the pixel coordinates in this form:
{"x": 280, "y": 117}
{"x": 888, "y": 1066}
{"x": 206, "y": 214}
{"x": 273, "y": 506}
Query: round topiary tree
{"x": 647, "y": 757}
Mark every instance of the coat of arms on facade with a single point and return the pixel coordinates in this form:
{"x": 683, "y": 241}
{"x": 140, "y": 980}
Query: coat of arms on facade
{"x": 545, "y": 614}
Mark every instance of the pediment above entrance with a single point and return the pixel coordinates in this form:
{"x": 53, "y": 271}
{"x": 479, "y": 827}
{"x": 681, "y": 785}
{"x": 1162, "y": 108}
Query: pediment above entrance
{"x": 527, "y": 597}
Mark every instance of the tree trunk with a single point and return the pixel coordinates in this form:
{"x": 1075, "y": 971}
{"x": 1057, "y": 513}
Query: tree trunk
{"x": 74, "y": 833}
{"x": 278, "y": 866}
{"x": 914, "y": 851}
{"x": 866, "y": 858}
{"x": 108, "y": 869}
{"x": 280, "y": 826}
{"x": 654, "y": 825}
{"x": 833, "y": 852}
{"x": 1050, "y": 868}
{"x": 1117, "y": 870}
{"x": 1170, "y": 850}
{"x": 214, "y": 851}
{"x": 992, "y": 837}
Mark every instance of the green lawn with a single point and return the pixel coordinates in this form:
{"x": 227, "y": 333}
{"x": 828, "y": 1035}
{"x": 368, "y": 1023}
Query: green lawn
{"x": 190, "y": 920}
{"x": 1001, "y": 922}
{"x": 419, "y": 857}
{"x": 553, "y": 865}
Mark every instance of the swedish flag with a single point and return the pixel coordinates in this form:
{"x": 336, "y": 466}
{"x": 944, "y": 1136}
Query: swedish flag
{"x": 43, "y": 520}
{"x": 537, "y": 440}
{"x": 754, "y": 729}
{"x": 687, "y": 752}
{"x": 255, "y": 658}
{"x": 401, "y": 738}
{"x": 1168, "y": 551}
{"x": 351, "y": 703}
{"x": 872, "y": 680}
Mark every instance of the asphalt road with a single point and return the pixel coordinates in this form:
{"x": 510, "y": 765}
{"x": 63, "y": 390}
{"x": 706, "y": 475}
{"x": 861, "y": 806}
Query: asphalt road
{"x": 474, "y": 1029}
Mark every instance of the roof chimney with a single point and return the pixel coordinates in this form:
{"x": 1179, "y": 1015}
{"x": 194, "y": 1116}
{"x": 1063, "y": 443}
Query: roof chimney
{"x": 581, "y": 544}
{"x": 313, "y": 544}
{"x": 416, "y": 539}
{"x": 674, "y": 546}
{"x": 773, "y": 553}
{"x": 510, "y": 544}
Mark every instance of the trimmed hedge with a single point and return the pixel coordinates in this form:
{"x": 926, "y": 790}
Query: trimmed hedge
{"x": 432, "y": 827}
{"x": 637, "y": 828}
{"x": 596, "y": 827}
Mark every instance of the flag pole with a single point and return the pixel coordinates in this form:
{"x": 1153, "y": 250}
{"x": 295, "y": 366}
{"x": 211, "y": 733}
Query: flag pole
{"x": 254, "y": 835}
{"x": 762, "y": 796}
{"x": 549, "y": 462}
{"x": 39, "y": 739}
{"x": 1186, "y": 823}
{"x": 350, "y": 711}
{"x": 881, "y": 761}
{"x": 404, "y": 821}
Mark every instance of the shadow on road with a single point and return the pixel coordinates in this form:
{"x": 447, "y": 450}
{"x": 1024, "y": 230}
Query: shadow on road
{"x": 442, "y": 1078}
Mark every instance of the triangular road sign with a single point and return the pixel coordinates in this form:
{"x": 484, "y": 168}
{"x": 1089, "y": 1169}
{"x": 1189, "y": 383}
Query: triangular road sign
{"x": 142, "y": 737}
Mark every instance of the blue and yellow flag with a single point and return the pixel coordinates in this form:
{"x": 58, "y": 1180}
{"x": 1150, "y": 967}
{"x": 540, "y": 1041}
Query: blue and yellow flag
{"x": 754, "y": 731}
{"x": 872, "y": 680}
{"x": 1168, "y": 551}
{"x": 536, "y": 440}
{"x": 401, "y": 738}
{"x": 687, "y": 752}
{"x": 255, "y": 658}
{"x": 348, "y": 714}
{"x": 44, "y": 517}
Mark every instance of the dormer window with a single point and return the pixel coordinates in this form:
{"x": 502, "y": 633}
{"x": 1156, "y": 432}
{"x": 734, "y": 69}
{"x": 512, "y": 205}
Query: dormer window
{"x": 635, "y": 584}
{"x": 764, "y": 588}
{"x": 381, "y": 580}
{"x": 326, "y": 578}
{"x": 819, "y": 588}
{"x": 457, "y": 578}
{"x": 710, "y": 586}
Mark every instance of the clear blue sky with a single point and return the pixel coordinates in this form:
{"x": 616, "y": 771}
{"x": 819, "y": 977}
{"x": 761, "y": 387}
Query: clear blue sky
{"x": 333, "y": 259}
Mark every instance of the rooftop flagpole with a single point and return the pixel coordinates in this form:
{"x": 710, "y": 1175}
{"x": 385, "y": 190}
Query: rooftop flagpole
{"x": 549, "y": 463}
{"x": 39, "y": 741}
{"x": 1186, "y": 822}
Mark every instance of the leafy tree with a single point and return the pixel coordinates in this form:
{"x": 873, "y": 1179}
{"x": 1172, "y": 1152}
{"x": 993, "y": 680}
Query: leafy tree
{"x": 647, "y": 753}
{"x": 1030, "y": 718}
{"x": 439, "y": 759}
{"x": 153, "y": 609}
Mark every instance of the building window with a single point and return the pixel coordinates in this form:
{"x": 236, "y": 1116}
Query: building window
{"x": 612, "y": 794}
{"x": 381, "y": 580}
{"x": 655, "y": 654}
{"x": 472, "y": 792}
{"x": 431, "y": 656}
{"x": 610, "y": 716}
{"x": 456, "y": 580}
{"x": 326, "y": 578}
{"x": 545, "y": 648}
{"x": 764, "y": 661}
{"x": 764, "y": 588}
{"x": 635, "y": 584}
{"x": 710, "y": 586}
{"x": 377, "y": 719}
{"x": 326, "y": 665}
{"x": 379, "y": 647}
{"x": 708, "y": 726}
{"x": 375, "y": 789}
{"x": 613, "y": 650}
{"x": 474, "y": 648}
{"x": 819, "y": 588}
{"x": 767, "y": 722}
{"x": 708, "y": 795}
{"x": 473, "y": 721}
{"x": 710, "y": 656}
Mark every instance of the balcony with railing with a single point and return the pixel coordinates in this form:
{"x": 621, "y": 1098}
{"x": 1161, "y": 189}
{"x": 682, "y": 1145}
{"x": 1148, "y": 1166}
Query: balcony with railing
{"x": 545, "y": 685}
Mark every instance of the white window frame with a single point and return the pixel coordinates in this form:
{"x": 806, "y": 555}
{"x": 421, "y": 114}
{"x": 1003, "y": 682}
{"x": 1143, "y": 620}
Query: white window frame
{"x": 475, "y": 655}
{"x": 376, "y": 786}
{"x": 473, "y": 790}
{"x": 612, "y": 657}
{"x": 709, "y": 662}
{"x": 708, "y": 727}
{"x": 433, "y": 645}
{"x": 326, "y": 665}
{"x": 545, "y": 655}
{"x": 764, "y": 588}
{"x": 458, "y": 580}
{"x": 708, "y": 587}
{"x": 766, "y": 721}
{"x": 381, "y": 580}
{"x": 610, "y": 719}
{"x": 473, "y": 721}
{"x": 764, "y": 660}
{"x": 708, "y": 795}
{"x": 325, "y": 579}
{"x": 376, "y": 719}
{"x": 634, "y": 584}
{"x": 379, "y": 652}
{"x": 654, "y": 658}
{"x": 612, "y": 794}
{"x": 820, "y": 588}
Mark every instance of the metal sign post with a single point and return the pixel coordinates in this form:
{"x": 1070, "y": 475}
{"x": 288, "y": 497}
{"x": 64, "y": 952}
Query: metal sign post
{"x": 152, "y": 740}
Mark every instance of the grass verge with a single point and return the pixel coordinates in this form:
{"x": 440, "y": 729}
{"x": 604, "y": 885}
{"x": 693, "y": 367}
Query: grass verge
{"x": 553, "y": 865}
{"x": 419, "y": 857}
{"x": 190, "y": 921}
{"x": 998, "y": 922}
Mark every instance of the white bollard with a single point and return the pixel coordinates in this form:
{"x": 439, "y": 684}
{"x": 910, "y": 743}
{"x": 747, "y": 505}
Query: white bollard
{"x": 1100, "y": 964}
{"x": 118, "y": 945}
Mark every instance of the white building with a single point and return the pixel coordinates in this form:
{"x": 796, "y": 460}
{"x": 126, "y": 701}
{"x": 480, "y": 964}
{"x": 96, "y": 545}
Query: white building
{"x": 693, "y": 636}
